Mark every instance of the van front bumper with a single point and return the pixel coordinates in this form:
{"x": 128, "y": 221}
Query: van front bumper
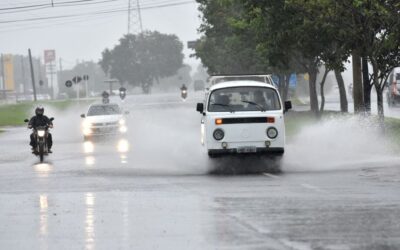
{"x": 259, "y": 151}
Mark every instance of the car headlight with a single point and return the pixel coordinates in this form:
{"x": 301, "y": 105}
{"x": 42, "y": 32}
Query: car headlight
{"x": 218, "y": 134}
{"x": 87, "y": 131}
{"x": 41, "y": 133}
{"x": 123, "y": 129}
{"x": 272, "y": 132}
{"x": 86, "y": 124}
{"x": 122, "y": 122}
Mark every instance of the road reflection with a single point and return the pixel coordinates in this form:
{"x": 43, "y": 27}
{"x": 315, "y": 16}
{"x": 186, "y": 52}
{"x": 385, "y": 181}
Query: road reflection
{"x": 88, "y": 147}
{"x": 89, "y": 221}
{"x": 43, "y": 220}
{"x": 43, "y": 169}
{"x": 122, "y": 147}
{"x": 90, "y": 160}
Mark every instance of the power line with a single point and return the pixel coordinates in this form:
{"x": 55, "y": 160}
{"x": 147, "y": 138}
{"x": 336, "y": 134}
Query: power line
{"x": 76, "y": 19}
{"x": 47, "y": 4}
{"x": 94, "y": 13}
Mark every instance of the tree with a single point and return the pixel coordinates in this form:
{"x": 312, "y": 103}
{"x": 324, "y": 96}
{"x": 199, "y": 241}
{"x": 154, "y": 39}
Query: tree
{"x": 224, "y": 47}
{"x": 370, "y": 29}
{"x": 228, "y": 45}
{"x": 141, "y": 59}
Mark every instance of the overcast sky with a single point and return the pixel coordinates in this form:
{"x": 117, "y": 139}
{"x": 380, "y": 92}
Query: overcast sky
{"x": 84, "y": 35}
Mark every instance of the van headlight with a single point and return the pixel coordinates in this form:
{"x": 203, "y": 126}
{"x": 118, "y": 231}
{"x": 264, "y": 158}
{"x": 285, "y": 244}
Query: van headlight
{"x": 272, "y": 132}
{"x": 218, "y": 134}
{"x": 40, "y": 133}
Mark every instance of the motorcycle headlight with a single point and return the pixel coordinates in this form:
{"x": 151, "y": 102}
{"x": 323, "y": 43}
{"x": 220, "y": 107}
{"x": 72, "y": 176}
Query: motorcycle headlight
{"x": 272, "y": 132}
{"x": 41, "y": 133}
{"x": 122, "y": 122}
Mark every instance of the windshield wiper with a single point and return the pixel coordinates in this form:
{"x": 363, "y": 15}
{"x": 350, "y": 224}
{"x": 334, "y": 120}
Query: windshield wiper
{"x": 227, "y": 106}
{"x": 255, "y": 104}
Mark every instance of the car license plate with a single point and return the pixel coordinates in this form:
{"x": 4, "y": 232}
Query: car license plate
{"x": 245, "y": 150}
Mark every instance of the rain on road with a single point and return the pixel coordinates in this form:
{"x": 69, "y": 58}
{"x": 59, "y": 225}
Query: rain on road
{"x": 153, "y": 190}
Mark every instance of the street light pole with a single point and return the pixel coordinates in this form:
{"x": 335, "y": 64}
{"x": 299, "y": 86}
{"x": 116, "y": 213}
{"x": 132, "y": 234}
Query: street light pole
{"x": 32, "y": 75}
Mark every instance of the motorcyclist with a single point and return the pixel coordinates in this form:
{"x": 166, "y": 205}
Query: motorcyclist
{"x": 40, "y": 120}
{"x": 183, "y": 87}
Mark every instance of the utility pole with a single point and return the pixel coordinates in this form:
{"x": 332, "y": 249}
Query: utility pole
{"x": 32, "y": 75}
{"x": 3, "y": 86}
{"x": 23, "y": 74}
{"x": 135, "y": 24}
{"x": 51, "y": 79}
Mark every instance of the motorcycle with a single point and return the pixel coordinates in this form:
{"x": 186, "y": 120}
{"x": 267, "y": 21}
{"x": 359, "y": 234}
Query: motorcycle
{"x": 184, "y": 94}
{"x": 40, "y": 134}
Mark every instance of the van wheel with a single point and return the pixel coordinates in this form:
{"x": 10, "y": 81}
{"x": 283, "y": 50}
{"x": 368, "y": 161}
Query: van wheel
{"x": 211, "y": 155}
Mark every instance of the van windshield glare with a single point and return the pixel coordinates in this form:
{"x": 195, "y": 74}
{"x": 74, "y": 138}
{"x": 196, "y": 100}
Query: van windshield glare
{"x": 244, "y": 99}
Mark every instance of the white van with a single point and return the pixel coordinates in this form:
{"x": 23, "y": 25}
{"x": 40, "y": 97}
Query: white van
{"x": 243, "y": 117}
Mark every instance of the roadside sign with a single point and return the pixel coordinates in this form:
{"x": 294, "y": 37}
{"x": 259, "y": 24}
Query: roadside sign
{"x": 76, "y": 79}
{"x": 49, "y": 56}
{"x": 68, "y": 84}
{"x": 192, "y": 44}
{"x": 85, "y": 77}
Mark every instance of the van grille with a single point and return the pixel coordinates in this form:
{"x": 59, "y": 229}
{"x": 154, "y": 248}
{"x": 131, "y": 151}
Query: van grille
{"x": 244, "y": 120}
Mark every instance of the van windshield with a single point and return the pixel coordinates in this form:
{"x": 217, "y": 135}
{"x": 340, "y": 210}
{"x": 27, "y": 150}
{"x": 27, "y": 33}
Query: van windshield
{"x": 104, "y": 110}
{"x": 244, "y": 99}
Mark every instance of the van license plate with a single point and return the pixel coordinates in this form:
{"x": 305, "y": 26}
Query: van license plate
{"x": 244, "y": 150}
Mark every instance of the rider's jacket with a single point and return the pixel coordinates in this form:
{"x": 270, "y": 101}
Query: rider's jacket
{"x": 39, "y": 121}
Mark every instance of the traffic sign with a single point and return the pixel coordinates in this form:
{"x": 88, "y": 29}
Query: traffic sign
{"x": 76, "y": 79}
{"x": 68, "y": 84}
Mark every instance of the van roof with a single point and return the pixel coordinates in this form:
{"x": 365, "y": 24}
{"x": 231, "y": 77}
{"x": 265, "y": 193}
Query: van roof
{"x": 217, "y": 79}
{"x": 241, "y": 83}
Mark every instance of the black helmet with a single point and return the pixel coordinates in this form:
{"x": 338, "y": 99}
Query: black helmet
{"x": 39, "y": 110}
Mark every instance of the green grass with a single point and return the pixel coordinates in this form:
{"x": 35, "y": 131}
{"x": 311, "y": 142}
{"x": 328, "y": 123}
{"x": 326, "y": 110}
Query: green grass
{"x": 14, "y": 114}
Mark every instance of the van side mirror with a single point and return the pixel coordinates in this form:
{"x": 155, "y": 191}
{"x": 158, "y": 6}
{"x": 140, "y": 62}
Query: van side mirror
{"x": 26, "y": 120}
{"x": 83, "y": 115}
{"x": 52, "y": 119}
{"x": 200, "y": 107}
{"x": 288, "y": 105}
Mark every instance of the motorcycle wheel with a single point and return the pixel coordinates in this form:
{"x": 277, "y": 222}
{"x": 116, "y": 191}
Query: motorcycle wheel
{"x": 41, "y": 152}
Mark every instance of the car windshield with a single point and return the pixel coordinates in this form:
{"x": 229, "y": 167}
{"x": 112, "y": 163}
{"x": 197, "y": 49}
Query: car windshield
{"x": 244, "y": 99}
{"x": 104, "y": 110}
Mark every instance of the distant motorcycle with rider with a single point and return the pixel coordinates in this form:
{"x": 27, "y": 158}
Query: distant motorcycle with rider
{"x": 41, "y": 139}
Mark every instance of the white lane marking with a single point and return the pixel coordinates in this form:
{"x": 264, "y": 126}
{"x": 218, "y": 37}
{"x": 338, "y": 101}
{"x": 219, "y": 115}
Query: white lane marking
{"x": 315, "y": 188}
{"x": 271, "y": 175}
{"x": 295, "y": 245}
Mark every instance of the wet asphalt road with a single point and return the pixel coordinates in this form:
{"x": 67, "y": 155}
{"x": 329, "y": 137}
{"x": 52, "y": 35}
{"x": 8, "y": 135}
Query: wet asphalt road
{"x": 153, "y": 190}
